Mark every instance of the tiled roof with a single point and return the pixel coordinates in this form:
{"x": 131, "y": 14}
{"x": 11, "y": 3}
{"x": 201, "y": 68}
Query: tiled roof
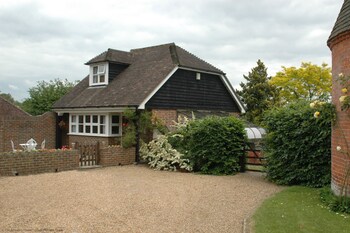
{"x": 147, "y": 68}
{"x": 343, "y": 22}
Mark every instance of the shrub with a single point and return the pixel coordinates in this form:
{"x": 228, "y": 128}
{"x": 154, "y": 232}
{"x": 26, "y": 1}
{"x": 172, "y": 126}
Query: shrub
{"x": 298, "y": 144}
{"x": 333, "y": 202}
{"x": 214, "y": 145}
{"x": 161, "y": 156}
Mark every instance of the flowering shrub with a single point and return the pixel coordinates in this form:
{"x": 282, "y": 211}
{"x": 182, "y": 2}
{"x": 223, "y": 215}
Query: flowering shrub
{"x": 162, "y": 156}
{"x": 298, "y": 147}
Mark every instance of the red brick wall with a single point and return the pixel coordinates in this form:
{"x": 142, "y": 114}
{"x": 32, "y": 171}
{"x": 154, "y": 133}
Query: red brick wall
{"x": 8, "y": 109}
{"x": 21, "y": 128}
{"x": 24, "y": 163}
{"x": 116, "y": 155}
{"x": 166, "y": 116}
{"x": 93, "y": 140}
{"x": 341, "y": 131}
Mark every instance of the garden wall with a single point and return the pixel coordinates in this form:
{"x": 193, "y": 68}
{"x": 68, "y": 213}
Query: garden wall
{"x": 116, "y": 155}
{"x": 21, "y": 127}
{"x": 34, "y": 162}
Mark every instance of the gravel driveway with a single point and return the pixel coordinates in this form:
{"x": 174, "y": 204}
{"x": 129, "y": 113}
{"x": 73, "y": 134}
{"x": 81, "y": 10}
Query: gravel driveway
{"x": 129, "y": 199}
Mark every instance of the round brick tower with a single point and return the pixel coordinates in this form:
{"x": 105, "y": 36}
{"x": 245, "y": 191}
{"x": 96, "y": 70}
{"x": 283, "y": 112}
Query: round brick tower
{"x": 339, "y": 43}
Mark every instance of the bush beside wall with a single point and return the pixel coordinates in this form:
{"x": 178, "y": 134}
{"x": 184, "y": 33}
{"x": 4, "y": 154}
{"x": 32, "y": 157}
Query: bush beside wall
{"x": 298, "y": 145}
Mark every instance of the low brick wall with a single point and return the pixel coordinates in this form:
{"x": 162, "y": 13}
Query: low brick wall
{"x": 116, "y": 155}
{"x": 25, "y": 163}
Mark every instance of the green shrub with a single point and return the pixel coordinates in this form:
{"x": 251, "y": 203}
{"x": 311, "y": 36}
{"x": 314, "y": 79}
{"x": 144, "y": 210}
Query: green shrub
{"x": 298, "y": 144}
{"x": 333, "y": 202}
{"x": 214, "y": 145}
{"x": 160, "y": 155}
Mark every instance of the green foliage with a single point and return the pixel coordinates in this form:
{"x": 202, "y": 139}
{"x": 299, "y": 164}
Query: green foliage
{"x": 45, "y": 94}
{"x": 257, "y": 93}
{"x": 309, "y": 82}
{"x": 298, "y": 209}
{"x": 333, "y": 202}
{"x": 298, "y": 145}
{"x": 10, "y": 99}
{"x": 162, "y": 156}
{"x": 213, "y": 144}
{"x": 145, "y": 124}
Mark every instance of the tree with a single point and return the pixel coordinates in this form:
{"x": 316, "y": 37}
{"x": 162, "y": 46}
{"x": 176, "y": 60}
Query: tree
{"x": 257, "y": 94}
{"x": 309, "y": 82}
{"x": 45, "y": 94}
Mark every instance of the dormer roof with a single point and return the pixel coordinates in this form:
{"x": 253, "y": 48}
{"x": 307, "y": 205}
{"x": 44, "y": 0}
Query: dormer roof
{"x": 342, "y": 25}
{"x": 112, "y": 55}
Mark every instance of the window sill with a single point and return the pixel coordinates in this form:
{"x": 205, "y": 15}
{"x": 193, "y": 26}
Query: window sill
{"x": 94, "y": 135}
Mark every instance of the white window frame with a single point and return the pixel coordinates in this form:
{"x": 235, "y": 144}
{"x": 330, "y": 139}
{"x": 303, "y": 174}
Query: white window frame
{"x": 102, "y": 69}
{"x": 91, "y": 124}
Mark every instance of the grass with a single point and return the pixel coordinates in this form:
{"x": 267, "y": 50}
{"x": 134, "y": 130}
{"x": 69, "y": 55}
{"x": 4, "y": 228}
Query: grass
{"x": 298, "y": 209}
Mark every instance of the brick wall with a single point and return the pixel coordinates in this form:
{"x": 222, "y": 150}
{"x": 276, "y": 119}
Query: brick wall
{"x": 25, "y": 163}
{"x": 340, "y": 133}
{"x": 8, "y": 109}
{"x": 93, "y": 140}
{"x": 166, "y": 116}
{"x": 20, "y": 128}
{"x": 116, "y": 155}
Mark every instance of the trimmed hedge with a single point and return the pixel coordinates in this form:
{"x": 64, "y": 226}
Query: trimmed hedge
{"x": 298, "y": 144}
{"x": 213, "y": 145}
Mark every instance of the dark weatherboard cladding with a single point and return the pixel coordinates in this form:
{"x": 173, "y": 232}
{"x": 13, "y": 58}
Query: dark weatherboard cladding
{"x": 184, "y": 91}
{"x": 115, "y": 70}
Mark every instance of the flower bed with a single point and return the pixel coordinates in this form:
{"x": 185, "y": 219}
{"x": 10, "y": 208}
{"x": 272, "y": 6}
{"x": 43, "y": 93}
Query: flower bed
{"x": 39, "y": 161}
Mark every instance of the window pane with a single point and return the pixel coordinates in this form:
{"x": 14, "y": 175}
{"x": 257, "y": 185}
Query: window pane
{"x": 115, "y": 119}
{"x": 102, "y": 78}
{"x": 81, "y": 119}
{"x": 102, "y": 120}
{"x": 87, "y": 118}
{"x": 95, "y": 78}
{"x": 74, "y": 118}
{"x": 94, "y": 129}
{"x": 115, "y": 129}
{"x": 87, "y": 129}
{"x": 73, "y": 128}
{"x": 102, "y": 129}
{"x": 94, "y": 70}
{"x": 101, "y": 69}
{"x": 81, "y": 129}
{"x": 94, "y": 119}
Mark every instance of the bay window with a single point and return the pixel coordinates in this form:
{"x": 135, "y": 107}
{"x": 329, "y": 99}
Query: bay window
{"x": 95, "y": 124}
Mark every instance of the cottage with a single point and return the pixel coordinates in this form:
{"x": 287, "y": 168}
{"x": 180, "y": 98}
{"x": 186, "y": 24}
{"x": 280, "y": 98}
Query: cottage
{"x": 165, "y": 79}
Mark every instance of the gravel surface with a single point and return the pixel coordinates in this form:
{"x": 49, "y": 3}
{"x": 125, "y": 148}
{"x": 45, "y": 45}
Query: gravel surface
{"x": 129, "y": 199}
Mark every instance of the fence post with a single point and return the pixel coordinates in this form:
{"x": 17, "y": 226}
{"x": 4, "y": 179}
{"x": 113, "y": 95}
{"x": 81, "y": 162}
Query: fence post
{"x": 242, "y": 160}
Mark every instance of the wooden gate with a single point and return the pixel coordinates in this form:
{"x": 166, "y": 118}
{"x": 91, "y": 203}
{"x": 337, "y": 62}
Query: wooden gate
{"x": 89, "y": 154}
{"x": 255, "y": 159}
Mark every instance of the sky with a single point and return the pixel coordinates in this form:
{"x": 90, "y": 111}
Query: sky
{"x": 43, "y": 40}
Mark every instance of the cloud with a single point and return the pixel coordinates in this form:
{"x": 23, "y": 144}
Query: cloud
{"x": 13, "y": 87}
{"x": 43, "y": 40}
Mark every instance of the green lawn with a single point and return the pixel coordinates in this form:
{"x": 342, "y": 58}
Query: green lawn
{"x": 298, "y": 209}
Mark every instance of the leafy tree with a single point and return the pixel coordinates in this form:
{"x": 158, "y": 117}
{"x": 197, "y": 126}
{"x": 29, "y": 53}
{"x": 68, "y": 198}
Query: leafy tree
{"x": 9, "y": 98}
{"x": 45, "y": 94}
{"x": 257, "y": 94}
{"x": 309, "y": 82}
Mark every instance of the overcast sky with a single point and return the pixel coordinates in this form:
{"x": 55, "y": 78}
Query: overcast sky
{"x": 44, "y": 40}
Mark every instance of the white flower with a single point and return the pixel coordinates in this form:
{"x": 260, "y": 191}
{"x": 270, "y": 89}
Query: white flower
{"x": 338, "y": 148}
{"x": 312, "y": 105}
{"x": 341, "y": 75}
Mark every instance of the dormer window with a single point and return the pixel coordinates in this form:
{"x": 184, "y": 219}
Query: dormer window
{"x": 98, "y": 74}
